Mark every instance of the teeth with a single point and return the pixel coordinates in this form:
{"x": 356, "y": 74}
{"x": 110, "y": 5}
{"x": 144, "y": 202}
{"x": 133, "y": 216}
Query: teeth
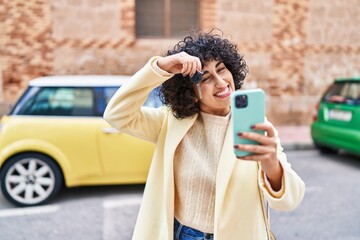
{"x": 226, "y": 90}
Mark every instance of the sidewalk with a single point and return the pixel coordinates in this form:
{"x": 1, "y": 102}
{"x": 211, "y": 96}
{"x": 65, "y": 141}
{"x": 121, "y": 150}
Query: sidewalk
{"x": 295, "y": 137}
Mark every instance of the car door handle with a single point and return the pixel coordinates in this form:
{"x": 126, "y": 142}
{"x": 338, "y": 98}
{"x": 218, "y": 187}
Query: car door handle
{"x": 110, "y": 131}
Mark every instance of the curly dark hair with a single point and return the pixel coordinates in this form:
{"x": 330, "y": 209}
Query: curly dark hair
{"x": 177, "y": 92}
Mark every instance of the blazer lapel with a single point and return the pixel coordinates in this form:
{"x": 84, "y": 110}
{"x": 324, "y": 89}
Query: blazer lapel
{"x": 176, "y": 132}
{"x": 225, "y": 169}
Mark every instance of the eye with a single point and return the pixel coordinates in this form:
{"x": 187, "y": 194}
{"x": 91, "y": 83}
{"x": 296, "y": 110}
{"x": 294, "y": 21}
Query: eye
{"x": 221, "y": 68}
{"x": 205, "y": 78}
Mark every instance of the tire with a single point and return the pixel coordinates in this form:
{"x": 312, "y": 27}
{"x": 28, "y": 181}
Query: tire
{"x": 30, "y": 179}
{"x": 325, "y": 150}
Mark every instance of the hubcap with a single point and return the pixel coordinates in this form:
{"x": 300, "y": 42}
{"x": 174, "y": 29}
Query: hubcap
{"x": 29, "y": 181}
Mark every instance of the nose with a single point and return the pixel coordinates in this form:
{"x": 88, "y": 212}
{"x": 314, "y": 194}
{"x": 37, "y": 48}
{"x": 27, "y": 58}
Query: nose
{"x": 220, "y": 82}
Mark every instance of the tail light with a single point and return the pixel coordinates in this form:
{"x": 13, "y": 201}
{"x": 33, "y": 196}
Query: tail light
{"x": 315, "y": 113}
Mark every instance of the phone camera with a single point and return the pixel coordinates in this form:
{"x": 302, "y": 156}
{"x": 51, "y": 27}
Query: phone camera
{"x": 241, "y": 101}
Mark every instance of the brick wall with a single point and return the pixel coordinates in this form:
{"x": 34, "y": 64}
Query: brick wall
{"x": 294, "y": 48}
{"x": 26, "y": 44}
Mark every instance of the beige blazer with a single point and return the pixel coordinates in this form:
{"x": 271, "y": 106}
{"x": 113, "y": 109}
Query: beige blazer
{"x": 238, "y": 213}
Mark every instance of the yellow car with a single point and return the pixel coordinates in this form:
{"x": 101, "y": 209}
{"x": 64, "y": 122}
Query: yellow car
{"x": 55, "y": 135}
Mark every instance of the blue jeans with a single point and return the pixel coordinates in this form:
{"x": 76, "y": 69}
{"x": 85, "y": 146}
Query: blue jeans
{"x": 182, "y": 232}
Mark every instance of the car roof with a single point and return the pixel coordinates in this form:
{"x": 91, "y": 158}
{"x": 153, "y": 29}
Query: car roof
{"x": 79, "y": 80}
{"x": 349, "y": 79}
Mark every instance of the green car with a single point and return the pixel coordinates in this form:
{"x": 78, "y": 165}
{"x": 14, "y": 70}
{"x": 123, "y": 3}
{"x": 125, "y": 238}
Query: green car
{"x": 337, "y": 122}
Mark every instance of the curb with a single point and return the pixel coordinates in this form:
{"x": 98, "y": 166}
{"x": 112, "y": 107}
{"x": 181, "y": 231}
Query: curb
{"x": 297, "y": 146}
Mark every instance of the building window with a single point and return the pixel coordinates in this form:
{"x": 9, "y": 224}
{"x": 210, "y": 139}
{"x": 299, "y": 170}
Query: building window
{"x": 166, "y": 18}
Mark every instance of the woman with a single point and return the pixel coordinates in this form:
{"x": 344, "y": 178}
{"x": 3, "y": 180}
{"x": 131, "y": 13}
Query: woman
{"x": 196, "y": 187}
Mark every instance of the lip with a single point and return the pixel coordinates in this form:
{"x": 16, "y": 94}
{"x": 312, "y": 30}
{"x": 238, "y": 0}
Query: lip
{"x": 226, "y": 93}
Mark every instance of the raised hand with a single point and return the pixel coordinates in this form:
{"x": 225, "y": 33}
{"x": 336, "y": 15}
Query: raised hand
{"x": 265, "y": 153}
{"x": 180, "y": 63}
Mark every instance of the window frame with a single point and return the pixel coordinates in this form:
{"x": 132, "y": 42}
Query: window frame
{"x": 167, "y": 22}
{"x": 36, "y": 90}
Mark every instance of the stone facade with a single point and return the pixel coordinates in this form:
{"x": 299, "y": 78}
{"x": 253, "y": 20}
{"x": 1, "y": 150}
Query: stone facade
{"x": 294, "y": 48}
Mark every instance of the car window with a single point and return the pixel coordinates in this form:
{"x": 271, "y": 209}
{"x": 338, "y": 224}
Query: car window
{"x": 71, "y": 101}
{"x": 108, "y": 93}
{"x": 57, "y": 101}
{"x": 343, "y": 92}
{"x": 152, "y": 101}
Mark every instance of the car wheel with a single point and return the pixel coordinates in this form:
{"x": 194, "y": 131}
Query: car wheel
{"x": 325, "y": 150}
{"x": 30, "y": 179}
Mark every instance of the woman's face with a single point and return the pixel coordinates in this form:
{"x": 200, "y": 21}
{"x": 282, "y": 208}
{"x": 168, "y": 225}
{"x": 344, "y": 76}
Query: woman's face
{"x": 216, "y": 86}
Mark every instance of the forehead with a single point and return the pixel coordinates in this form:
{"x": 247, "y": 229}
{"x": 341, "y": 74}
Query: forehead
{"x": 212, "y": 63}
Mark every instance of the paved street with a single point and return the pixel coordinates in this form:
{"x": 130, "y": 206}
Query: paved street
{"x": 330, "y": 209}
{"x": 87, "y": 213}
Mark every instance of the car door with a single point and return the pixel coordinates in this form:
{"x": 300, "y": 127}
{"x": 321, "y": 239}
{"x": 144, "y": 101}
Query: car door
{"x": 125, "y": 158}
{"x": 61, "y": 118}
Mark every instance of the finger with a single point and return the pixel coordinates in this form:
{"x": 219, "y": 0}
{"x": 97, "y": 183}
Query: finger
{"x": 266, "y": 126}
{"x": 185, "y": 67}
{"x": 193, "y": 63}
{"x": 252, "y": 157}
{"x": 190, "y": 68}
{"x": 198, "y": 65}
{"x": 193, "y": 66}
{"x": 183, "y": 60}
{"x": 258, "y": 149}
{"x": 188, "y": 65}
{"x": 257, "y": 137}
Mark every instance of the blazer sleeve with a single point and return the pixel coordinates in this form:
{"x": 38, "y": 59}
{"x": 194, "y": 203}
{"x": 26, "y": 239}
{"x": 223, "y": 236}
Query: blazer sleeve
{"x": 292, "y": 190}
{"x": 125, "y": 111}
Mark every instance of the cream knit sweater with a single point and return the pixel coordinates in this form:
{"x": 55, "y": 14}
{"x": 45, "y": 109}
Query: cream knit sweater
{"x": 195, "y": 166}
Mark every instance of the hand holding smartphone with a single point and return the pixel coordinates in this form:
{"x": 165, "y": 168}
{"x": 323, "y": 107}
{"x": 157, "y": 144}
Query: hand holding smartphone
{"x": 247, "y": 109}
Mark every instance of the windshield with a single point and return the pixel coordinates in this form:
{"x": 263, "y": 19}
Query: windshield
{"x": 343, "y": 93}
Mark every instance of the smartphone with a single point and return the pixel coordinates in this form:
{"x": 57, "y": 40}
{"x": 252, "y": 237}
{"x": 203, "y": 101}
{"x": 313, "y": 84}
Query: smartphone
{"x": 247, "y": 109}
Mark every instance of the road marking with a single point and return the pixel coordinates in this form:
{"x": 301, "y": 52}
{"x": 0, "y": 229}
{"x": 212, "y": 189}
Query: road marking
{"x": 120, "y": 216}
{"x": 16, "y": 212}
{"x": 117, "y": 203}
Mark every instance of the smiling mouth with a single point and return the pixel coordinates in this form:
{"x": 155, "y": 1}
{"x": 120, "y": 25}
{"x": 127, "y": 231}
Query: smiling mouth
{"x": 224, "y": 93}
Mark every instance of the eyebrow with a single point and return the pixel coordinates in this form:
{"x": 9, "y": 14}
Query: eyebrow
{"x": 217, "y": 64}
